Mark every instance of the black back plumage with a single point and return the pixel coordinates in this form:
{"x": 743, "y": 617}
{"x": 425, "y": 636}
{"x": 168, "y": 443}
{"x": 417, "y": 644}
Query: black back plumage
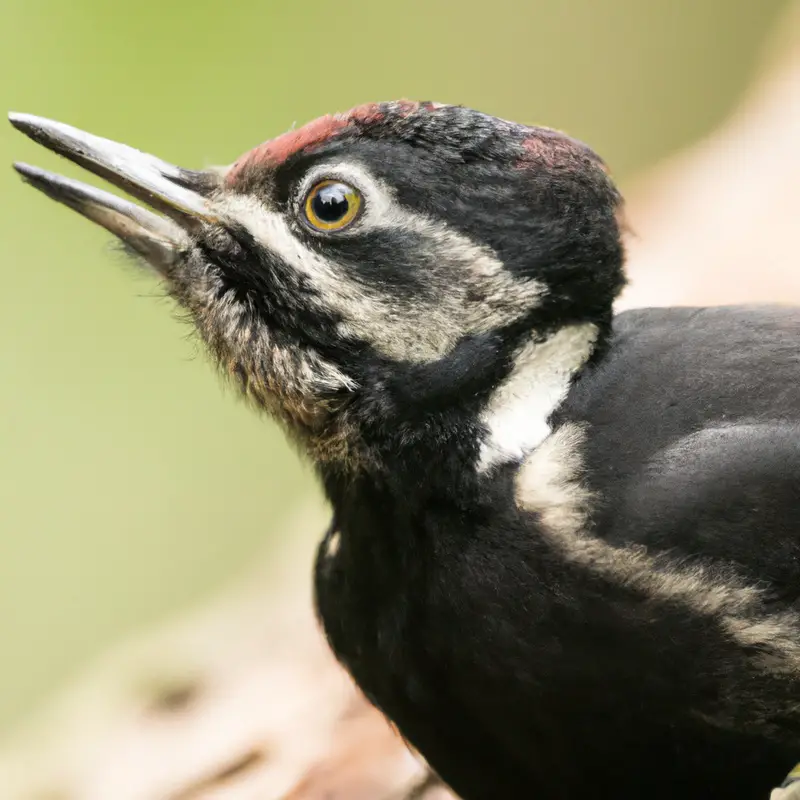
{"x": 695, "y": 436}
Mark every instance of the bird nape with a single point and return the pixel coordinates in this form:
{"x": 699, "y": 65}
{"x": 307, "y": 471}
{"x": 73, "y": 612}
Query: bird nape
{"x": 565, "y": 551}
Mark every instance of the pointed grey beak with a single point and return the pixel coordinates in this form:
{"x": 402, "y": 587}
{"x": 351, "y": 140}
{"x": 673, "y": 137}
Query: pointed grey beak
{"x": 181, "y": 195}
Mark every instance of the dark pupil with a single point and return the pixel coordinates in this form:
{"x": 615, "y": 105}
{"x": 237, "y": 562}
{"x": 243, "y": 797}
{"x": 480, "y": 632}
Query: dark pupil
{"x": 330, "y": 203}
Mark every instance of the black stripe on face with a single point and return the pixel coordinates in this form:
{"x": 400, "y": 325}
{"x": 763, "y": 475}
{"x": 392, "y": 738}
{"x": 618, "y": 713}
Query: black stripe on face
{"x": 395, "y": 263}
{"x": 262, "y": 281}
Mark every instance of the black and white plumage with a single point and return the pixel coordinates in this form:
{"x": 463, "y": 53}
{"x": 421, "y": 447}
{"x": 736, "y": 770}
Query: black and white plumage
{"x": 564, "y": 557}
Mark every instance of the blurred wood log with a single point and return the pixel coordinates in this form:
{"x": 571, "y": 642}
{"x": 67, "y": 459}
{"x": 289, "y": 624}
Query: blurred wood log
{"x": 237, "y": 700}
{"x": 717, "y": 223}
{"x": 240, "y": 699}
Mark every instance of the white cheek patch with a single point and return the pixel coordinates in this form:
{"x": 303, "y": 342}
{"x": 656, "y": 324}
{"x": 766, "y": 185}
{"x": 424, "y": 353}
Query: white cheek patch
{"x": 470, "y": 290}
{"x": 517, "y": 414}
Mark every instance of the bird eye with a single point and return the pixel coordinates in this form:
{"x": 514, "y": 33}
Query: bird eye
{"x": 331, "y": 205}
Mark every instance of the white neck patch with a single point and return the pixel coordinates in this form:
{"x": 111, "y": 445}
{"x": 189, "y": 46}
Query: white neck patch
{"x": 518, "y": 411}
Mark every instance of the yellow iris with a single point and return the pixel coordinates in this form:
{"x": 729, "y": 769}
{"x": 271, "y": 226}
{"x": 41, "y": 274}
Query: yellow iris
{"x": 332, "y": 205}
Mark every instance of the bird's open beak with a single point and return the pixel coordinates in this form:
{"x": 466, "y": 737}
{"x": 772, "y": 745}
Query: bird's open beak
{"x": 181, "y": 195}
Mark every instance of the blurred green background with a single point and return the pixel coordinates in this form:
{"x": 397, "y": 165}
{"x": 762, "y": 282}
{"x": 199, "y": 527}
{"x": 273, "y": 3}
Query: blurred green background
{"x": 131, "y": 483}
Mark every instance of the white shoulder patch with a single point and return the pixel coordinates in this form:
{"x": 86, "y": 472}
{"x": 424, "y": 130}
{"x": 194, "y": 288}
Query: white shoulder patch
{"x": 517, "y": 413}
{"x": 550, "y": 483}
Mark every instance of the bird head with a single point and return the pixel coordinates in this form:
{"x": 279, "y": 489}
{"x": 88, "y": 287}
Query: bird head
{"x": 374, "y": 277}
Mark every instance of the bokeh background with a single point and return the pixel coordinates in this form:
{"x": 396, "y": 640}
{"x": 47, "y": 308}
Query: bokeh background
{"x": 131, "y": 483}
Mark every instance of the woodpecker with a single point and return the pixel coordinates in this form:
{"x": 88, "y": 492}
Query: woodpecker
{"x": 564, "y": 558}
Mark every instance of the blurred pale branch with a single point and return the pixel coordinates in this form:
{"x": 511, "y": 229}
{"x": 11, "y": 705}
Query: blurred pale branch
{"x": 716, "y": 224}
{"x": 240, "y": 699}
